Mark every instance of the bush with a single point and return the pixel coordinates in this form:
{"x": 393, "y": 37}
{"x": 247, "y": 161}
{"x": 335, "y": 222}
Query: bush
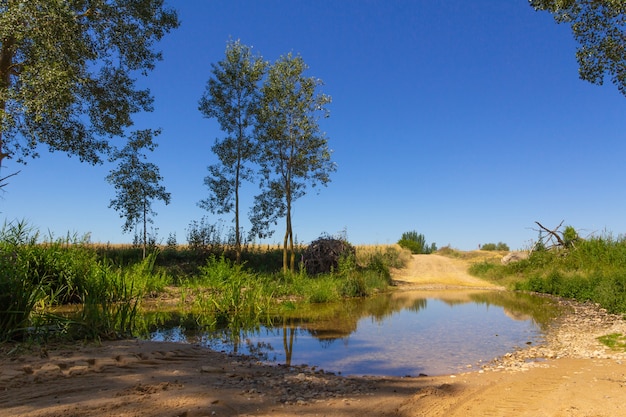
{"x": 591, "y": 270}
{"x": 500, "y": 246}
{"x": 416, "y": 243}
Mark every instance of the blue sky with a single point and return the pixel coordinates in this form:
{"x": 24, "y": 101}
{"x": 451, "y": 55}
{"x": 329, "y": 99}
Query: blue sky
{"x": 465, "y": 121}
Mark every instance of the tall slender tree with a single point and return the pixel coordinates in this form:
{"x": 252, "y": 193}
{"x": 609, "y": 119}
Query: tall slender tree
{"x": 293, "y": 152}
{"x": 599, "y": 27}
{"x": 232, "y": 97}
{"x": 67, "y": 72}
{"x": 137, "y": 183}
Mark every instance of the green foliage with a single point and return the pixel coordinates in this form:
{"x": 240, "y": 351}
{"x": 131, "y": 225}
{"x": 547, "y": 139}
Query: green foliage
{"x": 107, "y": 285}
{"x": 37, "y": 276}
{"x": 110, "y": 303}
{"x": 570, "y": 236}
{"x": 598, "y": 27}
{"x": 203, "y": 236}
{"x": 293, "y": 152}
{"x": 18, "y": 294}
{"x": 592, "y": 270}
{"x": 236, "y": 298}
{"x": 615, "y": 341}
{"x": 500, "y": 246}
{"x": 137, "y": 183}
{"x": 232, "y": 97}
{"x": 416, "y": 243}
{"x": 68, "y": 72}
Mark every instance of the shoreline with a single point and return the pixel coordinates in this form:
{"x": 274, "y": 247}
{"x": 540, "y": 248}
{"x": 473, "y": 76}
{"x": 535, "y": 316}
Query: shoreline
{"x": 570, "y": 374}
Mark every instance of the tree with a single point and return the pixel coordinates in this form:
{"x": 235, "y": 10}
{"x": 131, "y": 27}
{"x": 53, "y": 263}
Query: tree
{"x": 137, "y": 183}
{"x": 232, "y": 97}
{"x": 293, "y": 152}
{"x": 599, "y": 28}
{"x": 416, "y": 243}
{"x": 66, "y": 72}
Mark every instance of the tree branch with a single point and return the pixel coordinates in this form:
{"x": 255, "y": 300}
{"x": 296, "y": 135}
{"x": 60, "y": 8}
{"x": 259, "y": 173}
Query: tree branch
{"x": 553, "y": 233}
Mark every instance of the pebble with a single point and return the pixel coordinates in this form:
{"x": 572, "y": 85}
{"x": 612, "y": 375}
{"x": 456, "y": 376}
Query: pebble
{"x": 573, "y": 335}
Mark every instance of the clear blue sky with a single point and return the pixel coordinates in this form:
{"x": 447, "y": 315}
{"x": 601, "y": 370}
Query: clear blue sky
{"x": 465, "y": 121}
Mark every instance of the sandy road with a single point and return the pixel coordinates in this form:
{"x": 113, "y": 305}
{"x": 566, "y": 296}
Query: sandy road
{"x": 587, "y": 381}
{"x": 436, "y": 271}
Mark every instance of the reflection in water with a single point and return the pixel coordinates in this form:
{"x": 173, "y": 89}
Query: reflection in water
{"x": 288, "y": 329}
{"x": 399, "y": 333}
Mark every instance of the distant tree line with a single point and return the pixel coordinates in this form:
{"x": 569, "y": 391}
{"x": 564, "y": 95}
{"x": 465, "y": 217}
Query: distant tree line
{"x": 495, "y": 246}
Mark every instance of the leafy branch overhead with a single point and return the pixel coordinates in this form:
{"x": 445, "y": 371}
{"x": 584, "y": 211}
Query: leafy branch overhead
{"x": 67, "y": 73}
{"x": 599, "y": 28}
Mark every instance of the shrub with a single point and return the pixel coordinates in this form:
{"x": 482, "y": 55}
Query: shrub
{"x": 500, "y": 246}
{"x": 591, "y": 270}
{"x": 416, "y": 243}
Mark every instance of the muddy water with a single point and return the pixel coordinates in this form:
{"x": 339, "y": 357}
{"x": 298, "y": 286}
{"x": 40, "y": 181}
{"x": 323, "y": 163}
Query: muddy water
{"x": 404, "y": 333}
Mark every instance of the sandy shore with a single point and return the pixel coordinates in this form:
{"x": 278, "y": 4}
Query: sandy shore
{"x": 571, "y": 375}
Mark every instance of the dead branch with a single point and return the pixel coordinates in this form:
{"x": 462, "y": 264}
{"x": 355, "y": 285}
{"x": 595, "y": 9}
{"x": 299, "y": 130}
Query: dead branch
{"x": 553, "y": 233}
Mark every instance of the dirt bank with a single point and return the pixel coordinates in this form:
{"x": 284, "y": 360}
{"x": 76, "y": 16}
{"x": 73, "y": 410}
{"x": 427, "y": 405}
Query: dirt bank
{"x": 574, "y": 377}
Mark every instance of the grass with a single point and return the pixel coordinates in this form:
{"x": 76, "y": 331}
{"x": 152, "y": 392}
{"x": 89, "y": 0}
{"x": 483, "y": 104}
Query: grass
{"x": 105, "y": 285}
{"x": 614, "y": 341}
{"x": 594, "y": 270}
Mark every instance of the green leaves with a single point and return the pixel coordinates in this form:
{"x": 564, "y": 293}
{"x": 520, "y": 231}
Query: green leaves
{"x": 67, "y": 72}
{"x": 136, "y": 182}
{"x": 599, "y": 28}
{"x": 232, "y": 97}
{"x": 273, "y": 125}
{"x": 416, "y": 243}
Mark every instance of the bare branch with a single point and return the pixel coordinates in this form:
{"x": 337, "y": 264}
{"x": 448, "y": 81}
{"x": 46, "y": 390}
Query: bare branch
{"x": 553, "y": 233}
{"x": 2, "y": 180}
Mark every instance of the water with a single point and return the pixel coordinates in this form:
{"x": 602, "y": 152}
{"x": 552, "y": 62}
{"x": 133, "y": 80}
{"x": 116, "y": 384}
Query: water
{"x": 398, "y": 334}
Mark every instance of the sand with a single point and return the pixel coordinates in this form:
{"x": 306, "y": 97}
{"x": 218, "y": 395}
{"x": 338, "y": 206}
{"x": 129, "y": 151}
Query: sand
{"x": 571, "y": 375}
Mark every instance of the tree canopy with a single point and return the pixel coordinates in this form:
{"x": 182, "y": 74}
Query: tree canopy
{"x": 137, "y": 183}
{"x": 293, "y": 152}
{"x": 67, "y": 72}
{"x": 599, "y": 28}
{"x": 232, "y": 97}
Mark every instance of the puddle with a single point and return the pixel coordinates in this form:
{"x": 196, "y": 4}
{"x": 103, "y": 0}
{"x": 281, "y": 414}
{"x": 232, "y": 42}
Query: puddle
{"x": 397, "y": 334}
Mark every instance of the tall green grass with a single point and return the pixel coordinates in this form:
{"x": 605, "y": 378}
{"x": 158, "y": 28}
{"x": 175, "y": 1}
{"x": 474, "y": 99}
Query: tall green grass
{"x": 36, "y": 278}
{"x": 105, "y": 285}
{"x": 233, "y": 296}
{"x": 594, "y": 270}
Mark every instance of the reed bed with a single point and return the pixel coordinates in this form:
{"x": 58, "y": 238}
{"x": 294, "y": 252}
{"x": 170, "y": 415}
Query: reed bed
{"x": 106, "y": 284}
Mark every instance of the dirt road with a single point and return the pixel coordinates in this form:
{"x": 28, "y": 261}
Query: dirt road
{"x": 436, "y": 272}
{"x": 135, "y": 378}
{"x": 581, "y": 378}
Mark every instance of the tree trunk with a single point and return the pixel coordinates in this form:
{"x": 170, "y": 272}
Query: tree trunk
{"x": 292, "y": 264}
{"x": 285, "y": 240}
{"x": 6, "y": 68}
{"x": 237, "y": 236}
{"x": 288, "y": 226}
{"x": 145, "y": 228}
{"x": 288, "y": 329}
